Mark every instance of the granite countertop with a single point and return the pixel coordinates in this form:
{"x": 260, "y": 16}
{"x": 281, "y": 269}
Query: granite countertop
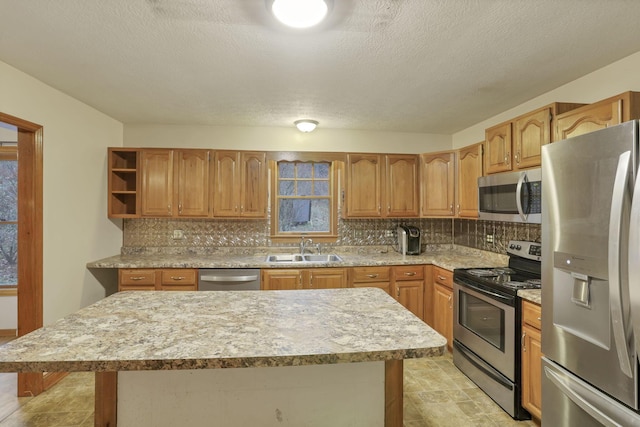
{"x": 205, "y": 330}
{"x": 449, "y": 257}
{"x": 532, "y": 295}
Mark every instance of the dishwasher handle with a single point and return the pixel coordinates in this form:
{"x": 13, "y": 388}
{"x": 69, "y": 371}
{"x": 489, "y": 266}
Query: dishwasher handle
{"x": 223, "y": 279}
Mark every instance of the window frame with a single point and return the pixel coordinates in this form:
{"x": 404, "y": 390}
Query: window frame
{"x": 334, "y": 174}
{"x": 9, "y": 152}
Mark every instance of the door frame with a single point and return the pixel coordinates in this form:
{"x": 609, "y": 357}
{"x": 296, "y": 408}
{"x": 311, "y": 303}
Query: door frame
{"x": 30, "y": 234}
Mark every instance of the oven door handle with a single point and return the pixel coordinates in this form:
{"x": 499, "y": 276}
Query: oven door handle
{"x": 487, "y": 370}
{"x": 507, "y": 300}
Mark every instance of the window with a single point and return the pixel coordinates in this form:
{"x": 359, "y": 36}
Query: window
{"x": 8, "y": 214}
{"x": 304, "y": 202}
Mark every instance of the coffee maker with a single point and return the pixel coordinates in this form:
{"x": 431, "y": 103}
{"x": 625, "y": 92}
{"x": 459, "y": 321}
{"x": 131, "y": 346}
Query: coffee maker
{"x": 409, "y": 240}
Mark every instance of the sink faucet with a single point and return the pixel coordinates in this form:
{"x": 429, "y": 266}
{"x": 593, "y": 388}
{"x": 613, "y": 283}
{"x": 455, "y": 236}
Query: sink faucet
{"x": 303, "y": 244}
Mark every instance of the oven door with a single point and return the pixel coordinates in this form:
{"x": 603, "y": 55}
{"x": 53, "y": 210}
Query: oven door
{"x": 485, "y": 323}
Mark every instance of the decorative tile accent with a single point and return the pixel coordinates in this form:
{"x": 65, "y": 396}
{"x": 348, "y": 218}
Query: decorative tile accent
{"x": 474, "y": 233}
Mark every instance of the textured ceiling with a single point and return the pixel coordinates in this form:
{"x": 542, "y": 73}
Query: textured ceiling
{"x": 433, "y": 66}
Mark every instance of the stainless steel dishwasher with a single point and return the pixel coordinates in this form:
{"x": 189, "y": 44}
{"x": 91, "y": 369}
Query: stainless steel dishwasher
{"x": 231, "y": 279}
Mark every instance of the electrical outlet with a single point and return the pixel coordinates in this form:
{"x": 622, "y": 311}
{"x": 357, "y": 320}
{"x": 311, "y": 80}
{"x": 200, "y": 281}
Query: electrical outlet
{"x": 178, "y": 234}
{"x": 389, "y": 233}
{"x": 489, "y": 238}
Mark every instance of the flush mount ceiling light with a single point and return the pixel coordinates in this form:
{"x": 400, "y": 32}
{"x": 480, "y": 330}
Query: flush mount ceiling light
{"x": 306, "y": 125}
{"x": 299, "y": 13}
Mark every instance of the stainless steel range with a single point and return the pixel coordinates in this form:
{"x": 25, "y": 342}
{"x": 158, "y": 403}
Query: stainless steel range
{"x": 487, "y": 323}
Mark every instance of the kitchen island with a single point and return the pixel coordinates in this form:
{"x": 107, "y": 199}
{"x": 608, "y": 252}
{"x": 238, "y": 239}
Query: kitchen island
{"x": 316, "y": 358}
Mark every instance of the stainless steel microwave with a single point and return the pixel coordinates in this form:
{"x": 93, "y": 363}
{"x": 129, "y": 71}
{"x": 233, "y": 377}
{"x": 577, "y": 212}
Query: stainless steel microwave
{"x": 511, "y": 196}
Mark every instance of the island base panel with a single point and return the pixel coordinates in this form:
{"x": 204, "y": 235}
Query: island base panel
{"x": 347, "y": 394}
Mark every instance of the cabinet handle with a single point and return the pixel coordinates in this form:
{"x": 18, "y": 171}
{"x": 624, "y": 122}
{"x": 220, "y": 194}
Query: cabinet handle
{"x": 311, "y": 280}
{"x": 518, "y": 157}
{"x": 177, "y": 277}
{"x": 241, "y": 208}
{"x": 379, "y": 208}
{"x": 169, "y": 208}
{"x": 539, "y": 319}
{"x": 458, "y": 207}
{"x": 180, "y": 207}
{"x": 444, "y": 279}
{"x": 397, "y": 292}
{"x": 451, "y": 208}
{"x": 389, "y": 208}
{"x": 137, "y": 278}
{"x": 522, "y": 342}
{"x": 372, "y": 276}
{"x": 450, "y": 303}
{"x": 410, "y": 273}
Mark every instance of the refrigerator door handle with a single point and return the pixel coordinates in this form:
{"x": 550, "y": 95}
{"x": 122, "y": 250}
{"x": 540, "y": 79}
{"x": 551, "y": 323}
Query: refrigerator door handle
{"x": 521, "y": 181}
{"x": 620, "y": 327}
{"x": 634, "y": 263}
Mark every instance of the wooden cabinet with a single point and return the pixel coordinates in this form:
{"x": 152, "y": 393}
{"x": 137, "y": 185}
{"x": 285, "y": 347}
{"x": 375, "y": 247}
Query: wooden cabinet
{"x": 371, "y": 277}
{"x": 240, "y": 184}
{"x": 531, "y": 359}
{"x": 443, "y": 303}
{"x": 408, "y": 287}
{"x": 382, "y": 186}
{"x": 303, "y": 278}
{"x": 437, "y": 184}
{"x": 469, "y": 169}
{"x": 599, "y": 115}
{"x": 184, "y": 193}
{"x": 166, "y": 279}
{"x": 517, "y": 144}
{"x": 123, "y": 182}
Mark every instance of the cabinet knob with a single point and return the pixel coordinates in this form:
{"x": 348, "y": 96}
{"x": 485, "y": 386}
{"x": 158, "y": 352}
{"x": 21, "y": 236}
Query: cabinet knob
{"x": 450, "y": 304}
{"x": 522, "y": 342}
{"x": 507, "y": 158}
{"x": 397, "y": 292}
{"x": 180, "y": 207}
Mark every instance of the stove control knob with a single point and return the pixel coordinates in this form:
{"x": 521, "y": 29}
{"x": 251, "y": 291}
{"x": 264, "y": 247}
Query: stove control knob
{"x": 512, "y": 246}
{"x": 518, "y": 247}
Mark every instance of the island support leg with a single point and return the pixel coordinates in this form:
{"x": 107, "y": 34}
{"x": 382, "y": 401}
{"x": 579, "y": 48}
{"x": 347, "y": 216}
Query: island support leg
{"x": 393, "y": 386}
{"x": 106, "y": 399}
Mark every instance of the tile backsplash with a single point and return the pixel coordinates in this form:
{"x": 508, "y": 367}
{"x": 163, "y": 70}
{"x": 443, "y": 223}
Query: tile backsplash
{"x": 204, "y": 234}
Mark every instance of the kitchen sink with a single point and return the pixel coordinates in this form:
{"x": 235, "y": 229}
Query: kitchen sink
{"x": 297, "y": 258}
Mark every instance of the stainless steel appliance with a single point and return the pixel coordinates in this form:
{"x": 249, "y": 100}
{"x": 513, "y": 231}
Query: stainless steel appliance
{"x": 232, "y": 279}
{"x": 409, "y": 240}
{"x": 591, "y": 275}
{"x": 511, "y": 196}
{"x": 486, "y": 328}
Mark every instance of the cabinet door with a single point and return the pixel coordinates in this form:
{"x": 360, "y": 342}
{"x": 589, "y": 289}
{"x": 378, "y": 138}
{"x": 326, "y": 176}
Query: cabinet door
{"x": 443, "y": 312}
{"x": 437, "y": 184}
{"x": 281, "y": 279}
{"x": 364, "y": 185}
{"x": 192, "y": 182}
{"x": 410, "y": 293}
{"x": 253, "y": 184}
{"x": 157, "y": 182}
{"x": 532, "y": 371}
{"x": 401, "y": 193}
{"x": 326, "y": 278}
{"x": 498, "y": 148}
{"x": 178, "y": 279}
{"x": 530, "y": 133}
{"x": 588, "y": 119}
{"x": 469, "y": 170}
{"x": 136, "y": 279}
{"x": 226, "y": 184}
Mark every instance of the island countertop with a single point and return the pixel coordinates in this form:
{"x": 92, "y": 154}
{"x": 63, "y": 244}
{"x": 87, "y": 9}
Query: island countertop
{"x": 206, "y": 330}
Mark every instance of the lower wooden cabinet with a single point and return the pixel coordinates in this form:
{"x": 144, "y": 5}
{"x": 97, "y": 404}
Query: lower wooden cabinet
{"x": 371, "y": 277}
{"x": 303, "y": 278}
{"x": 166, "y": 279}
{"x": 531, "y": 359}
{"x": 443, "y": 303}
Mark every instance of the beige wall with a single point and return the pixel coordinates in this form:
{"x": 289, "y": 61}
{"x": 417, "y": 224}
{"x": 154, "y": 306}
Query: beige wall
{"x": 611, "y": 80}
{"x": 282, "y": 139}
{"x": 76, "y": 228}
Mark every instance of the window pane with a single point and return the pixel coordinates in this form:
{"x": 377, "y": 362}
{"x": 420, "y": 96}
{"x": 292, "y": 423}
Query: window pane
{"x": 321, "y": 170}
{"x": 8, "y": 254}
{"x": 321, "y": 188}
{"x": 286, "y": 188}
{"x": 8, "y": 190}
{"x": 304, "y": 215}
{"x": 286, "y": 169}
{"x": 304, "y": 170}
{"x": 304, "y": 188}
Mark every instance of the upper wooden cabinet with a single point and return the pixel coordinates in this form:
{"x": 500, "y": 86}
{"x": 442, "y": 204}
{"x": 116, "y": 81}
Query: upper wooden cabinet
{"x": 175, "y": 183}
{"x": 469, "y": 169}
{"x": 517, "y": 144}
{"x": 240, "y": 184}
{"x": 124, "y": 183}
{"x": 599, "y": 115}
{"x": 437, "y": 184}
{"x": 383, "y": 186}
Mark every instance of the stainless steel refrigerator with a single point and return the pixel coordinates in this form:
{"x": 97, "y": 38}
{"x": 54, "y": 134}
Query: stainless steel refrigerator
{"x": 591, "y": 279}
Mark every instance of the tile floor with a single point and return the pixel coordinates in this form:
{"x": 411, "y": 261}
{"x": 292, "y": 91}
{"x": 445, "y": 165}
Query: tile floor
{"x": 436, "y": 394}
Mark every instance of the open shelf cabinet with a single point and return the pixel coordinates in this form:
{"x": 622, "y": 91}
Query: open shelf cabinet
{"x": 124, "y": 183}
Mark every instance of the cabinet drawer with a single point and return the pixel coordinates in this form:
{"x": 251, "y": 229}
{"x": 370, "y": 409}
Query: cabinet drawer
{"x": 137, "y": 277}
{"x": 370, "y": 274}
{"x": 443, "y": 277}
{"x": 179, "y": 276}
{"x": 532, "y": 314}
{"x": 408, "y": 272}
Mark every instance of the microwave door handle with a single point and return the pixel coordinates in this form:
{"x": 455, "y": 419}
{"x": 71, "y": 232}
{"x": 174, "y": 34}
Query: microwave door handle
{"x": 615, "y": 294}
{"x": 521, "y": 180}
{"x": 634, "y": 263}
